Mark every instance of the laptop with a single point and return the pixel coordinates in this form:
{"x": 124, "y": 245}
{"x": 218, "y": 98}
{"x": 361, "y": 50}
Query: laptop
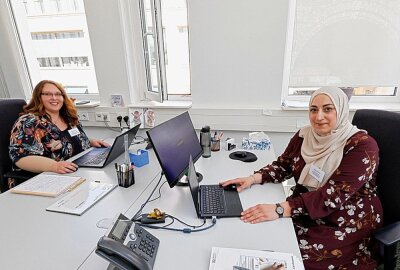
{"x": 101, "y": 157}
{"x": 224, "y": 203}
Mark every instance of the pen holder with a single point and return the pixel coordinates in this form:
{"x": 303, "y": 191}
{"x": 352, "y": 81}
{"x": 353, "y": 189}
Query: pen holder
{"x": 215, "y": 144}
{"x": 126, "y": 177}
{"x": 139, "y": 159}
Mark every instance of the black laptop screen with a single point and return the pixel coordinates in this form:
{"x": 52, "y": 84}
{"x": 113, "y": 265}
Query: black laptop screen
{"x": 174, "y": 141}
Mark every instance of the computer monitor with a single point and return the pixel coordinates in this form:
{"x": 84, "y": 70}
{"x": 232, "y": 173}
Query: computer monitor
{"x": 173, "y": 142}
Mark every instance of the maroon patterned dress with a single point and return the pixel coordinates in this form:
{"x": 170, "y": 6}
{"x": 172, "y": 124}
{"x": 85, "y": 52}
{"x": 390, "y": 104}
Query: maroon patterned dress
{"x": 334, "y": 223}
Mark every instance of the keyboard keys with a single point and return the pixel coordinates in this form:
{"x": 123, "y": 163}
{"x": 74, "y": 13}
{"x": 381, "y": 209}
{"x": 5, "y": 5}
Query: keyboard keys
{"x": 213, "y": 200}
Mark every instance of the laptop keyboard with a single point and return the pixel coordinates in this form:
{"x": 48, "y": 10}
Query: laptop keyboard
{"x": 212, "y": 199}
{"x": 98, "y": 158}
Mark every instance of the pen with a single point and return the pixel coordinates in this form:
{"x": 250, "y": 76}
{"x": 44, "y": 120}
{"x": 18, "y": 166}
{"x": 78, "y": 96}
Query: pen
{"x": 235, "y": 267}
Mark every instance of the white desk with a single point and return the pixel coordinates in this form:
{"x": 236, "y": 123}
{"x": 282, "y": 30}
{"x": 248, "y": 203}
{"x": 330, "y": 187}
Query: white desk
{"x": 181, "y": 251}
{"x": 33, "y": 238}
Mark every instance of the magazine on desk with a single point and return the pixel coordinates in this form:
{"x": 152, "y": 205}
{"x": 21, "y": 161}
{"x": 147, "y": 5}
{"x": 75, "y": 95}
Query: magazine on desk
{"x": 247, "y": 259}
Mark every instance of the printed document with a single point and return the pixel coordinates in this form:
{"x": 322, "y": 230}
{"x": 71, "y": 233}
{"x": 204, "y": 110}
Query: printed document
{"x": 81, "y": 199}
{"x": 247, "y": 259}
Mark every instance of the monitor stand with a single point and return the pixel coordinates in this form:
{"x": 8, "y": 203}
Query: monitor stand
{"x": 149, "y": 146}
{"x": 184, "y": 181}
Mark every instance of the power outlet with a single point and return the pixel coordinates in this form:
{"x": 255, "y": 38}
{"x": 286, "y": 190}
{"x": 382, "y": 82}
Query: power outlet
{"x": 102, "y": 116}
{"x": 83, "y": 116}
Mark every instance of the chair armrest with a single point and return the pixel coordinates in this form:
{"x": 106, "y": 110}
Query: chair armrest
{"x": 20, "y": 175}
{"x": 389, "y": 234}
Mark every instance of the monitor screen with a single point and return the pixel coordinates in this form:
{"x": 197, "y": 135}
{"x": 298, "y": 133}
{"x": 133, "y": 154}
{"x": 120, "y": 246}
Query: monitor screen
{"x": 174, "y": 141}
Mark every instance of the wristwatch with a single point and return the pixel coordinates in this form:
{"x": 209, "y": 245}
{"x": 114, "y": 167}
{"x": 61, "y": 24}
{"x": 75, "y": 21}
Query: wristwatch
{"x": 279, "y": 210}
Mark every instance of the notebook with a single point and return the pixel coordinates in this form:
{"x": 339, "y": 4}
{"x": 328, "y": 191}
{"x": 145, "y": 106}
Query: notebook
{"x": 226, "y": 204}
{"x": 50, "y": 185}
{"x": 100, "y": 157}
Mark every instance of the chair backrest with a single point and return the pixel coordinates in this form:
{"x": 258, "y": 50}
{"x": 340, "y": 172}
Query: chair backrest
{"x": 9, "y": 113}
{"x": 384, "y": 127}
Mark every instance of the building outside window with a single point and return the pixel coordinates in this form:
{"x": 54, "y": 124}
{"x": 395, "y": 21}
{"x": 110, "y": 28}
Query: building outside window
{"x": 55, "y": 42}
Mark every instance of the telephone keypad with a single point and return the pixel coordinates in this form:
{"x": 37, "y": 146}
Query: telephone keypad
{"x": 144, "y": 243}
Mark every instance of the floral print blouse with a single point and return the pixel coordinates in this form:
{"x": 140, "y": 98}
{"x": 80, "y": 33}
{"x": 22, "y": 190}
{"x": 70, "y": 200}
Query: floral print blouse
{"x": 37, "y": 135}
{"x": 334, "y": 223}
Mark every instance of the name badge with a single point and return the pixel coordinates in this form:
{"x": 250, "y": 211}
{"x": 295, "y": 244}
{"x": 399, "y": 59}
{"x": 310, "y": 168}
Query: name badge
{"x": 316, "y": 172}
{"x": 73, "y": 132}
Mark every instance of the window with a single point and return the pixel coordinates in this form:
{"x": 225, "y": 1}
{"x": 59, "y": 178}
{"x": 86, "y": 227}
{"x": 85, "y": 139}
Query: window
{"x": 347, "y": 43}
{"x": 166, "y": 49}
{"x": 55, "y": 43}
{"x": 57, "y": 35}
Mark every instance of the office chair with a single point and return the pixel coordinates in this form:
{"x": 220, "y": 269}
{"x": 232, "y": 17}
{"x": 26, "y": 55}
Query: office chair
{"x": 384, "y": 127}
{"x": 9, "y": 113}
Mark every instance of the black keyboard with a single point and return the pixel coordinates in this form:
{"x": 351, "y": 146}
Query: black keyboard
{"x": 212, "y": 199}
{"x": 98, "y": 158}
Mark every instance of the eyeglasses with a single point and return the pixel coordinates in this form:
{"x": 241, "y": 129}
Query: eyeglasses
{"x": 57, "y": 95}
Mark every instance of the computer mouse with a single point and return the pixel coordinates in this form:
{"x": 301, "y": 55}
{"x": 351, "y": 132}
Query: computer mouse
{"x": 241, "y": 154}
{"x": 229, "y": 187}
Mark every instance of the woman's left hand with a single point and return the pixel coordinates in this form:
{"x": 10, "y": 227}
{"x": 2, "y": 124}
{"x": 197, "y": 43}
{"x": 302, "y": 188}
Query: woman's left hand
{"x": 98, "y": 143}
{"x": 259, "y": 213}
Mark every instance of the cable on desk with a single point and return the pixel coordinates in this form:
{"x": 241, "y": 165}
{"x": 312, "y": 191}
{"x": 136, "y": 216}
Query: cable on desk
{"x": 139, "y": 212}
{"x": 159, "y": 192}
{"x": 184, "y": 230}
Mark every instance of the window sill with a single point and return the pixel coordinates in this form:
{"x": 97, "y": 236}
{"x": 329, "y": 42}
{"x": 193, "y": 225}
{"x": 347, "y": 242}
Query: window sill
{"x": 169, "y": 104}
{"x": 303, "y": 106}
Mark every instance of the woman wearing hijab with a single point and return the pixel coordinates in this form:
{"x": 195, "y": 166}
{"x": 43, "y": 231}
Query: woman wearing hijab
{"x": 334, "y": 205}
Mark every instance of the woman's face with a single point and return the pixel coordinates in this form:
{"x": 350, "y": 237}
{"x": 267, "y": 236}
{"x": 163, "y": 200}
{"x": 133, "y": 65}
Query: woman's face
{"x": 322, "y": 115}
{"x": 52, "y": 98}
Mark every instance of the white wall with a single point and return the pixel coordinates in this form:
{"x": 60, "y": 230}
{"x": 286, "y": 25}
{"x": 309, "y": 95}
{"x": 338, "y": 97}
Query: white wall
{"x": 279, "y": 140}
{"x": 237, "y": 52}
{"x": 8, "y": 64}
{"x": 108, "y": 50}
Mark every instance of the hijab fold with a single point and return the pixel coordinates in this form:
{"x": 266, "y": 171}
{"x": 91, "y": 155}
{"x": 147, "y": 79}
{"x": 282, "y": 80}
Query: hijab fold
{"x": 326, "y": 152}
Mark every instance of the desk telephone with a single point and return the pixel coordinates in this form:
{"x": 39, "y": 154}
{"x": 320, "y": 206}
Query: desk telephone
{"x": 127, "y": 246}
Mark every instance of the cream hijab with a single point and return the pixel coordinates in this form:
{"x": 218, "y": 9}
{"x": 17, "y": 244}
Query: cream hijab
{"x": 326, "y": 152}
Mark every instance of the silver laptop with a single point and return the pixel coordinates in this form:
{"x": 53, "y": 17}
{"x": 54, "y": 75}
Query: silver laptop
{"x": 101, "y": 157}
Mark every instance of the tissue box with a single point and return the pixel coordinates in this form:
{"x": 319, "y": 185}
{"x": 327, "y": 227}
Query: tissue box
{"x": 251, "y": 144}
{"x": 139, "y": 159}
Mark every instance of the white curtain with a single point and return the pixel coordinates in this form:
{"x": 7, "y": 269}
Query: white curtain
{"x": 346, "y": 43}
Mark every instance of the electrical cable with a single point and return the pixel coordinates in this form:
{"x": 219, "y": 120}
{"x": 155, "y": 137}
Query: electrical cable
{"x": 126, "y": 120}
{"x": 194, "y": 228}
{"x": 139, "y": 212}
{"x": 119, "y": 119}
{"x": 184, "y": 230}
{"x": 111, "y": 128}
{"x": 159, "y": 192}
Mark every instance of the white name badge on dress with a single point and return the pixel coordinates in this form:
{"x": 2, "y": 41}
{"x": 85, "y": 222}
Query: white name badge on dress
{"x": 316, "y": 172}
{"x": 73, "y": 132}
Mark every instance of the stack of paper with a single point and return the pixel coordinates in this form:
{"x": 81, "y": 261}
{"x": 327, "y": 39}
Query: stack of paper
{"x": 50, "y": 185}
{"x": 246, "y": 259}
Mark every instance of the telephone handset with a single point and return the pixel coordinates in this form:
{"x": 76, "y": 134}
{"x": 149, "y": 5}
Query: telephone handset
{"x": 128, "y": 246}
